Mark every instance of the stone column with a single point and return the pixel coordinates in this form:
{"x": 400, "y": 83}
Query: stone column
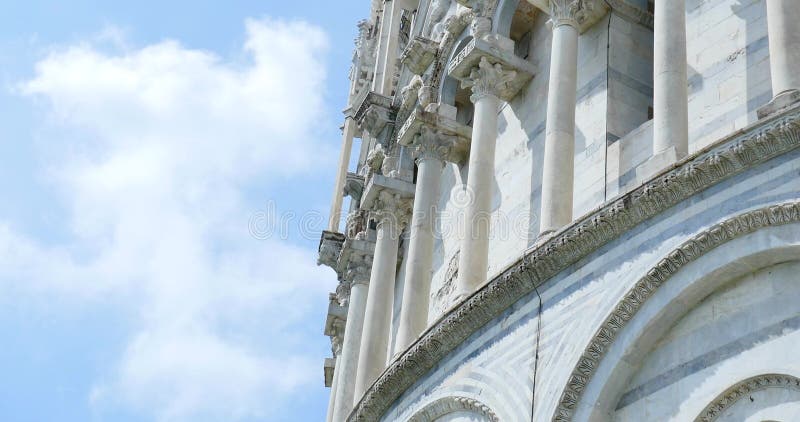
{"x": 334, "y": 387}
{"x": 559, "y": 144}
{"x": 390, "y": 211}
{"x": 783, "y": 26}
{"x": 341, "y": 176}
{"x": 487, "y": 82}
{"x": 670, "y": 83}
{"x": 390, "y": 36}
{"x": 430, "y": 149}
{"x": 347, "y": 365}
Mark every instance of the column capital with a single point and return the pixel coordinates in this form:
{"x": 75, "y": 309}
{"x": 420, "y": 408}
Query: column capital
{"x": 579, "y": 14}
{"x": 431, "y": 143}
{"x": 489, "y": 79}
{"x": 392, "y": 208}
{"x": 358, "y": 269}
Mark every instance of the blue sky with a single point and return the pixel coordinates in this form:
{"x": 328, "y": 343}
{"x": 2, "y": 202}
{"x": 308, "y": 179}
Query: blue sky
{"x": 141, "y": 144}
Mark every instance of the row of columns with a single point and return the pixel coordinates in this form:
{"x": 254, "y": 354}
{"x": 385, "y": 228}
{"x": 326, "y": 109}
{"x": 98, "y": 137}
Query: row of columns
{"x": 487, "y": 81}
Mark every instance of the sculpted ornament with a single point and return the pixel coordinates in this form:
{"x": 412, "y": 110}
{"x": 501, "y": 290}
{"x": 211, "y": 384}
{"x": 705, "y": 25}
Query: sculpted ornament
{"x": 391, "y": 208}
{"x": 429, "y": 143}
{"x": 358, "y": 269}
{"x": 374, "y": 160}
{"x": 488, "y": 79}
{"x": 754, "y": 146}
{"x": 569, "y": 12}
{"x": 435, "y": 27}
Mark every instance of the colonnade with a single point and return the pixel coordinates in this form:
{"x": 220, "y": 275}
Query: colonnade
{"x": 489, "y": 81}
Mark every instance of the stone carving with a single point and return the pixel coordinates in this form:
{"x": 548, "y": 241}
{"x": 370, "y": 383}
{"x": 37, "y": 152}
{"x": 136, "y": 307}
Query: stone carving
{"x": 374, "y": 160}
{"x": 568, "y": 12}
{"x": 354, "y": 186}
{"x": 764, "y": 140}
{"x": 432, "y": 143}
{"x": 343, "y": 293}
{"x": 489, "y": 79}
{"x": 447, "y": 405}
{"x": 358, "y": 269}
{"x": 435, "y": 26}
{"x": 744, "y": 389}
{"x": 330, "y": 245}
{"x": 356, "y": 224}
{"x": 444, "y": 294}
{"x": 392, "y": 208}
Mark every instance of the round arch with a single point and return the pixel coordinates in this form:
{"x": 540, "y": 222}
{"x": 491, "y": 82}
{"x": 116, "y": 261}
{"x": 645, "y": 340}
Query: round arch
{"x": 453, "y": 404}
{"x": 503, "y": 16}
{"x": 733, "y": 394}
{"x": 725, "y": 251}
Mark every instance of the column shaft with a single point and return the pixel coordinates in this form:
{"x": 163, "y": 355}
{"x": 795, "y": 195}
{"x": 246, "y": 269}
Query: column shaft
{"x": 417, "y": 287}
{"x": 670, "y": 84}
{"x": 377, "y": 318}
{"x": 559, "y": 148}
{"x": 473, "y": 262}
{"x": 784, "y": 52}
{"x": 334, "y": 388}
{"x": 346, "y": 367}
{"x": 341, "y": 175}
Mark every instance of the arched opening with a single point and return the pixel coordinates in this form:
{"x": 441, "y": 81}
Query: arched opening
{"x": 453, "y": 94}
{"x": 455, "y": 409}
{"x": 705, "y": 317}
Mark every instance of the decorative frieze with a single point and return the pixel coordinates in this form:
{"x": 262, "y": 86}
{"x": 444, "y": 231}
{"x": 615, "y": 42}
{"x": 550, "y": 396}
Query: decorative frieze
{"x": 487, "y": 67}
{"x": 745, "y": 389}
{"x": 742, "y": 151}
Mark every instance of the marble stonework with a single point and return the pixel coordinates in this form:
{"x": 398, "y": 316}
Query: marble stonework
{"x": 568, "y": 210}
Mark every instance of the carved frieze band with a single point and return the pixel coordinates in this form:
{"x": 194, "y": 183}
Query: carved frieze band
{"x": 447, "y": 405}
{"x": 745, "y": 388}
{"x": 636, "y": 297}
{"x": 757, "y": 144}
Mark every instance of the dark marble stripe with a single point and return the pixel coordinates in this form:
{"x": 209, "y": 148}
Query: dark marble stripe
{"x": 706, "y": 360}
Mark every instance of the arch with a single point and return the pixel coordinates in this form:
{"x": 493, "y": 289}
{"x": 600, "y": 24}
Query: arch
{"x": 503, "y": 16}
{"x": 452, "y": 404}
{"x": 729, "y": 249}
{"x": 730, "y": 396}
{"x": 449, "y": 86}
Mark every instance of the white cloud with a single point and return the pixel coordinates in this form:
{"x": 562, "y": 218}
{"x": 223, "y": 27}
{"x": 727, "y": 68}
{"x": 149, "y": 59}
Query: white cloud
{"x": 154, "y": 182}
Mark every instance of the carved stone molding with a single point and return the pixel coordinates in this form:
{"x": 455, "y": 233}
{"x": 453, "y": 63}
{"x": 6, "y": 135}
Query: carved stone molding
{"x": 490, "y": 69}
{"x": 744, "y": 389}
{"x": 743, "y": 150}
{"x": 447, "y": 405}
{"x": 354, "y": 186}
{"x": 635, "y": 298}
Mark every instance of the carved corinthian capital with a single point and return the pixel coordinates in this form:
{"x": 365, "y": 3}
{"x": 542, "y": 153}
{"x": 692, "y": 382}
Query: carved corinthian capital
{"x": 430, "y": 143}
{"x": 358, "y": 269}
{"x": 392, "y": 208}
{"x": 489, "y": 79}
{"x": 569, "y": 12}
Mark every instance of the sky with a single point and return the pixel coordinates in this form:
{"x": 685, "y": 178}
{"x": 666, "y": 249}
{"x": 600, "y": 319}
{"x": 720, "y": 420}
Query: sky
{"x": 165, "y": 171}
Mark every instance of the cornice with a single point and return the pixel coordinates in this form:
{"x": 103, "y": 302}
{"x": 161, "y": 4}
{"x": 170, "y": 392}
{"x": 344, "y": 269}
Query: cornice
{"x": 743, "y": 150}
{"x": 743, "y": 389}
